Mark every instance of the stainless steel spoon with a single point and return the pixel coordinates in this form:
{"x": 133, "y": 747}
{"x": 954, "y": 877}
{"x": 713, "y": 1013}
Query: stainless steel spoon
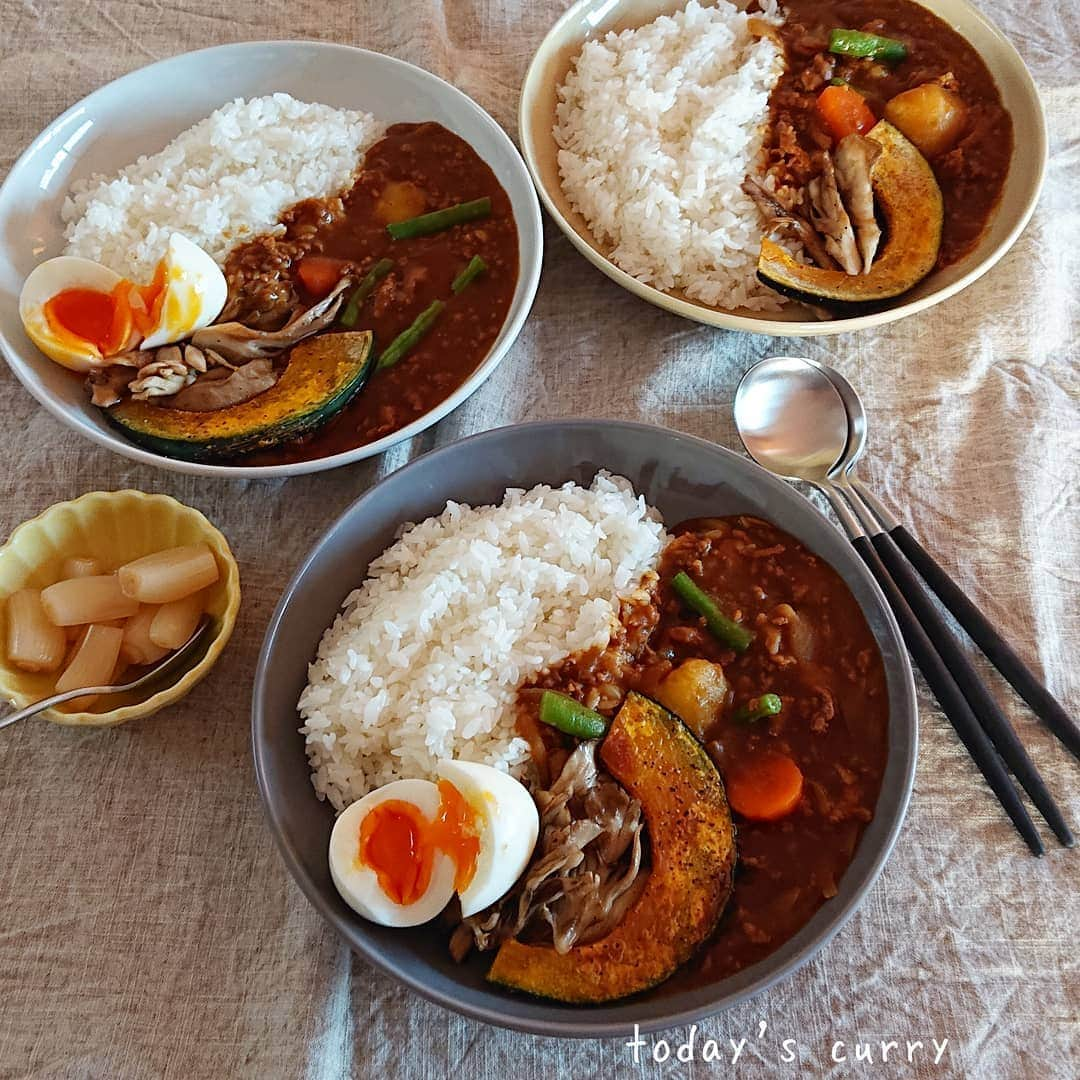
{"x": 792, "y": 421}
{"x": 172, "y": 661}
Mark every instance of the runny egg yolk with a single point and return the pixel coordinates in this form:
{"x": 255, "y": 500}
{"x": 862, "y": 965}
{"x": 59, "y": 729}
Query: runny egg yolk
{"x": 399, "y": 843}
{"x": 456, "y": 833}
{"x": 105, "y": 319}
{"x": 101, "y": 319}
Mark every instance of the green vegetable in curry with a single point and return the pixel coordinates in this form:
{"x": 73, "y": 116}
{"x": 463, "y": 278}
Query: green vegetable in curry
{"x": 411, "y": 335}
{"x": 565, "y": 714}
{"x": 350, "y": 316}
{"x": 725, "y": 630}
{"x": 476, "y": 266}
{"x": 757, "y": 709}
{"x": 438, "y": 220}
{"x": 867, "y": 46}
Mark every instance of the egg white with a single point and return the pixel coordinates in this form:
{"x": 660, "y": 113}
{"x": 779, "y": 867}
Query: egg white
{"x": 195, "y": 293}
{"x": 358, "y": 884}
{"x": 509, "y": 827}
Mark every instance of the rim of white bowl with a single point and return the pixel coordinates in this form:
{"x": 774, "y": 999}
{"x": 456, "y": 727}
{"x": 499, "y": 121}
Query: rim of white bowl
{"x": 729, "y": 320}
{"x": 529, "y": 267}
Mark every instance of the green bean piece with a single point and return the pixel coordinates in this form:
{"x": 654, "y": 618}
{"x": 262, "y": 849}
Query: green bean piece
{"x": 725, "y": 630}
{"x": 350, "y": 315}
{"x": 570, "y": 716}
{"x": 757, "y": 709}
{"x": 438, "y": 220}
{"x": 838, "y": 82}
{"x": 867, "y": 46}
{"x": 411, "y": 335}
{"x": 473, "y": 270}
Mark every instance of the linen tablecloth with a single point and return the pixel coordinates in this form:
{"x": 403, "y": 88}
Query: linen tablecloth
{"x": 148, "y": 926}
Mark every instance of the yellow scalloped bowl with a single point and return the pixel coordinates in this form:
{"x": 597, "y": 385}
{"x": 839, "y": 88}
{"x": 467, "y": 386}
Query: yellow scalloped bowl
{"x": 115, "y": 527}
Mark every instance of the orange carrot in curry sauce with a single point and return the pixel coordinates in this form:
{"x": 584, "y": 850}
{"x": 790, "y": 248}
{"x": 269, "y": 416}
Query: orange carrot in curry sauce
{"x": 844, "y": 111}
{"x": 765, "y": 787}
{"x": 320, "y": 273}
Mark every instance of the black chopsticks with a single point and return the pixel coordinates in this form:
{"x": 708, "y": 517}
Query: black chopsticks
{"x": 964, "y": 697}
{"x": 951, "y": 698}
{"x": 979, "y": 628}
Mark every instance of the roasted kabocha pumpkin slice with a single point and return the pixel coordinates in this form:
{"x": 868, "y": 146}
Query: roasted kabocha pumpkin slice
{"x": 322, "y": 376}
{"x": 692, "y": 845}
{"x": 908, "y": 197}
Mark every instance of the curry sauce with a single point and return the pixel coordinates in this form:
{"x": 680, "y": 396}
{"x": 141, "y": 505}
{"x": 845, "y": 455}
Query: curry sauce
{"x": 971, "y": 175}
{"x": 436, "y": 168}
{"x": 813, "y": 648}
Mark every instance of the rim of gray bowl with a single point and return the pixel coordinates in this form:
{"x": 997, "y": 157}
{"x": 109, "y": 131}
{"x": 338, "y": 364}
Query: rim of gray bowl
{"x": 538, "y": 1016}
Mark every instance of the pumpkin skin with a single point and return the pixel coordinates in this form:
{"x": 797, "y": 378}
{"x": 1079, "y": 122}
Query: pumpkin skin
{"x": 692, "y": 843}
{"x": 907, "y": 194}
{"x": 323, "y": 375}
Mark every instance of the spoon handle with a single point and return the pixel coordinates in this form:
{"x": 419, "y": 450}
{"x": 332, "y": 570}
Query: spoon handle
{"x": 981, "y": 630}
{"x": 949, "y": 696}
{"x": 49, "y": 702}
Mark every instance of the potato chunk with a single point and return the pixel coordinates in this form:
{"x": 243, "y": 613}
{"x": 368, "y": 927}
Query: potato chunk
{"x": 932, "y": 117}
{"x": 695, "y": 692}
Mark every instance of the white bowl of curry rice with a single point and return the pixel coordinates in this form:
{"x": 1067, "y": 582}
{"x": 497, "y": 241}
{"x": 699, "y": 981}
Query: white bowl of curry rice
{"x": 288, "y": 257}
{"x": 788, "y": 167}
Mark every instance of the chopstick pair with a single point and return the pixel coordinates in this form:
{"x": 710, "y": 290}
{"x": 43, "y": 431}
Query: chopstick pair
{"x": 886, "y": 546}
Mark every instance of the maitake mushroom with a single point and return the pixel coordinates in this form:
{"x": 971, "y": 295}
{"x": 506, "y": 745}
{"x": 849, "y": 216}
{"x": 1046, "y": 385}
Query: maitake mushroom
{"x": 166, "y": 374}
{"x": 239, "y": 343}
{"x": 221, "y": 356}
{"x": 152, "y": 373}
{"x": 842, "y": 229}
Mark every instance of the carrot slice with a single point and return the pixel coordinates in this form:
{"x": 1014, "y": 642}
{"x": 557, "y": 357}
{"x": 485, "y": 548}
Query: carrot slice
{"x": 765, "y": 787}
{"x": 844, "y": 111}
{"x": 320, "y": 273}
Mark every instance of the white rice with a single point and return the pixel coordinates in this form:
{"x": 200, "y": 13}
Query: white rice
{"x": 657, "y": 127}
{"x": 224, "y": 180}
{"x": 424, "y": 660}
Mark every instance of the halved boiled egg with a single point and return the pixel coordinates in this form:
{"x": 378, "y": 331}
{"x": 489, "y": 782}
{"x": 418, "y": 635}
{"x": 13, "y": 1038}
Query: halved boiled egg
{"x": 509, "y": 826}
{"x": 81, "y": 314}
{"x": 76, "y": 312}
{"x": 399, "y": 854}
{"x": 193, "y": 292}
{"x": 382, "y": 860}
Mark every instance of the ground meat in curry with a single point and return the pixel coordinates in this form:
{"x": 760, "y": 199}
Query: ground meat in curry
{"x": 812, "y": 646}
{"x": 431, "y": 168}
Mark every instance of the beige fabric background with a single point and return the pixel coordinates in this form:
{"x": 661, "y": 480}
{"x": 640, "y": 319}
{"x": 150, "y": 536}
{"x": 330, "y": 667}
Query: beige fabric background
{"x": 147, "y": 925}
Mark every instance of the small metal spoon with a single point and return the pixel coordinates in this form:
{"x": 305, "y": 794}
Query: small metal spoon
{"x": 792, "y": 421}
{"x": 174, "y": 659}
